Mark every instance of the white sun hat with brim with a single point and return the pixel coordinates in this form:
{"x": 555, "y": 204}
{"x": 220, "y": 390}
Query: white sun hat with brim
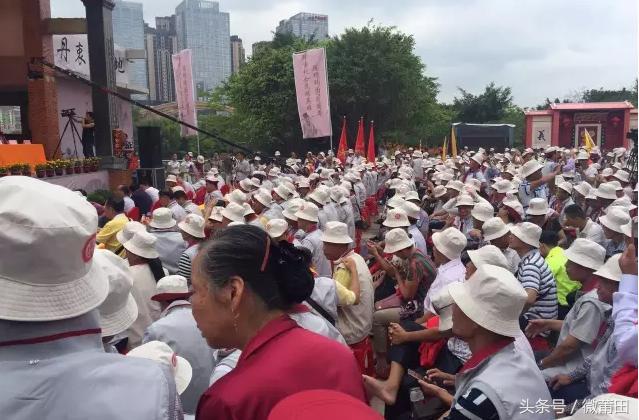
{"x": 450, "y": 242}
{"x": 439, "y": 191}
{"x": 482, "y": 211}
{"x": 412, "y": 210}
{"x": 446, "y": 176}
{"x": 177, "y": 188}
{"x": 248, "y": 209}
{"x": 492, "y": 298}
{"x": 233, "y": 212}
{"x": 171, "y": 178}
{"x": 276, "y": 228}
{"x": 162, "y": 353}
{"x": 193, "y": 224}
{"x": 617, "y": 185}
{"x": 528, "y": 233}
{"x": 606, "y": 172}
{"x": 494, "y": 228}
{"x": 615, "y": 218}
{"x": 412, "y": 195}
{"x": 465, "y": 200}
{"x": 395, "y": 202}
{"x": 162, "y": 219}
{"x": 583, "y": 155}
{"x": 456, "y": 185}
{"x": 538, "y": 207}
{"x": 607, "y": 190}
{"x": 475, "y": 183}
{"x": 291, "y": 207}
{"x": 488, "y": 254}
{"x": 170, "y": 288}
{"x": 264, "y": 197}
{"x": 396, "y": 240}
{"x": 583, "y": 188}
{"x": 320, "y": 196}
{"x": 566, "y": 186}
{"x": 631, "y": 229}
{"x": 337, "y": 194}
{"x": 514, "y": 204}
{"x": 586, "y": 253}
{"x": 216, "y": 214}
{"x": 622, "y": 175}
{"x": 236, "y": 196}
{"x": 530, "y": 168}
{"x": 247, "y": 185}
{"x": 142, "y": 244}
{"x": 503, "y": 186}
{"x": 442, "y": 302}
{"x": 478, "y": 158}
{"x": 119, "y": 310}
{"x": 528, "y": 151}
{"x": 336, "y": 233}
{"x": 610, "y": 269}
{"x": 396, "y": 218}
{"x": 129, "y": 229}
{"x": 308, "y": 211}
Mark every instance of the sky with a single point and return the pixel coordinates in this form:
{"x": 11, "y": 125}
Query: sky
{"x": 539, "y": 48}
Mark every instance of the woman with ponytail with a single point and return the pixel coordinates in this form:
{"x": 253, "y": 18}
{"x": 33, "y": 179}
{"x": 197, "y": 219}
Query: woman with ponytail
{"x": 244, "y": 285}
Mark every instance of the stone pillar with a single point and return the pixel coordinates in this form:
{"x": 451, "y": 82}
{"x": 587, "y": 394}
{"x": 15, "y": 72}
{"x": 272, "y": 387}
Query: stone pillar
{"x": 42, "y": 93}
{"x": 101, "y": 58}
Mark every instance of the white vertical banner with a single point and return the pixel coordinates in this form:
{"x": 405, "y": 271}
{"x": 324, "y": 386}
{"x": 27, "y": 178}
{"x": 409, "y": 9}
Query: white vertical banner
{"x": 183, "y": 74}
{"x": 311, "y": 87}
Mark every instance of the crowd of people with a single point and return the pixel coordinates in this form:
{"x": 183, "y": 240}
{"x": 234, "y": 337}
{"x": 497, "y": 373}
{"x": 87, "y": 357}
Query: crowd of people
{"x": 488, "y": 285}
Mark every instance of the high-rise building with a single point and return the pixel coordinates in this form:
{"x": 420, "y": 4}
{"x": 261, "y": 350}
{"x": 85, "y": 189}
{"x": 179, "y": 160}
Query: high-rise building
{"x": 305, "y": 25}
{"x": 161, "y": 43}
{"x": 205, "y": 30}
{"x": 128, "y": 32}
{"x": 258, "y": 46}
{"x": 237, "y": 54}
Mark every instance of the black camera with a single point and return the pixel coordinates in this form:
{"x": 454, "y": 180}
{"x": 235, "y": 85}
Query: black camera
{"x": 68, "y": 112}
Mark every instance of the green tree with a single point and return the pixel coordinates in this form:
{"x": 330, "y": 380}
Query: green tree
{"x": 489, "y": 106}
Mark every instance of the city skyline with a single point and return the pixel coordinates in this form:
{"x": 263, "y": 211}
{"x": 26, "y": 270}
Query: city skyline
{"x": 540, "y": 49}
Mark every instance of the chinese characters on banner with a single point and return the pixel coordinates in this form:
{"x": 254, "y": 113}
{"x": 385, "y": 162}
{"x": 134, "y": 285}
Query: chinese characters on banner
{"x": 183, "y": 74}
{"x": 311, "y": 86}
{"x": 71, "y": 52}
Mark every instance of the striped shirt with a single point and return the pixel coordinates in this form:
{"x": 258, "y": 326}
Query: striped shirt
{"x": 533, "y": 273}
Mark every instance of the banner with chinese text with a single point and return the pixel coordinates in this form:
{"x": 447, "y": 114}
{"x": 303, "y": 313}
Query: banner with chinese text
{"x": 311, "y": 87}
{"x": 183, "y": 74}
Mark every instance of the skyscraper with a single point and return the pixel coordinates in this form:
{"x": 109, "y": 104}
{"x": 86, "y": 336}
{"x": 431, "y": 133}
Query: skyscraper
{"x": 205, "y": 30}
{"x": 128, "y": 32}
{"x": 161, "y": 43}
{"x": 237, "y": 53}
{"x": 305, "y": 25}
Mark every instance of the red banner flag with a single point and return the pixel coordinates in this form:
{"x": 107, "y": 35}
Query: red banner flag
{"x": 370, "y": 156}
{"x": 359, "y": 142}
{"x": 343, "y": 144}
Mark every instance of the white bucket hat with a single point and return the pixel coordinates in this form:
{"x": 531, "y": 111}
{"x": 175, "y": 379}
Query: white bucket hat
{"x": 439, "y": 191}
{"x": 450, "y": 242}
{"x": 337, "y": 194}
{"x": 276, "y": 228}
{"x": 236, "y": 196}
{"x": 283, "y": 191}
{"x": 622, "y": 176}
{"x": 412, "y": 195}
{"x": 456, "y": 185}
{"x": 488, "y": 254}
{"x": 566, "y": 186}
{"x": 482, "y": 211}
{"x": 442, "y": 301}
{"x": 528, "y": 233}
{"x": 514, "y": 204}
{"x": 247, "y": 185}
{"x": 193, "y": 224}
{"x": 162, "y": 353}
{"x": 162, "y": 219}
{"x": 177, "y": 188}
{"x": 320, "y": 195}
{"x": 336, "y": 233}
{"x": 119, "y": 310}
{"x": 213, "y": 178}
{"x": 216, "y": 214}
{"x": 171, "y": 178}
{"x": 586, "y": 253}
{"x": 538, "y": 207}
{"x": 396, "y": 218}
{"x": 583, "y": 155}
{"x": 171, "y": 288}
{"x": 62, "y": 237}
{"x": 478, "y": 157}
{"x": 615, "y": 218}
{"x": 617, "y": 185}
{"x": 503, "y": 186}
{"x": 606, "y": 172}
{"x": 234, "y": 212}
{"x": 492, "y": 298}
{"x": 631, "y": 229}
{"x": 464, "y": 200}
{"x": 412, "y": 210}
{"x": 395, "y": 202}
{"x": 142, "y": 244}
{"x": 248, "y": 209}
{"x": 583, "y": 188}
{"x": 607, "y": 191}
{"x": 610, "y": 269}
{"x": 128, "y": 230}
{"x": 291, "y": 207}
{"x": 530, "y": 168}
{"x": 396, "y": 240}
{"x": 256, "y": 183}
{"x": 494, "y": 228}
{"x": 308, "y": 211}
{"x": 264, "y": 197}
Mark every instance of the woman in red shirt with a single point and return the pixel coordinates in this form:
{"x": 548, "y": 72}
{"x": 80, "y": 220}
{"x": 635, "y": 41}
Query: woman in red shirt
{"x": 244, "y": 284}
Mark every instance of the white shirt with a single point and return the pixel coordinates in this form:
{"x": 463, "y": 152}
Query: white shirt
{"x": 418, "y": 237}
{"x": 148, "y": 310}
{"x": 594, "y": 232}
{"x": 451, "y": 272}
{"x": 128, "y": 204}
{"x": 154, "y": 193}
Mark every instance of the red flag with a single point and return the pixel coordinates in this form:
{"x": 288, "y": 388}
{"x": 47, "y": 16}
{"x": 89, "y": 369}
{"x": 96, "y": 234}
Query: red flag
{"x": 343, "y": 144}
{"x": 371, "y": 145}
{"x": 359, "y": 142}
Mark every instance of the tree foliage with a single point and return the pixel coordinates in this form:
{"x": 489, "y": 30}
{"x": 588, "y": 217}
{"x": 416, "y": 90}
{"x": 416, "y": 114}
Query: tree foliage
{"x": 489, "y": 106}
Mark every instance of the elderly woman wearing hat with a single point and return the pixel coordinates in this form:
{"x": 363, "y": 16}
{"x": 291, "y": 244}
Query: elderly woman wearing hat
{"x": 463, "y": 220}
{"x": 146, "y": 269}
{"x": 244, "y": 283}
{"x": 192, "y": 230}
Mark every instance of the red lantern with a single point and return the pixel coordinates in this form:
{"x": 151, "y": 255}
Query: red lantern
{"x": 615, "y": 121}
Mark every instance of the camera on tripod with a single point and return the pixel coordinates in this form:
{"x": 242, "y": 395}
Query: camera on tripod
{"x": 68, "y": 113}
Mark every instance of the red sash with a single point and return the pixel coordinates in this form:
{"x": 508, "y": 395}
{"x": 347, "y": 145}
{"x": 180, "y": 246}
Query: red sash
{"x": 624, "y": 382}
{"x": 429, "y": 350}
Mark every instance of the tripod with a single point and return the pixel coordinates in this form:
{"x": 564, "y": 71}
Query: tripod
{"x": 631, "y": 164}
{"x": 70, "y": 114}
